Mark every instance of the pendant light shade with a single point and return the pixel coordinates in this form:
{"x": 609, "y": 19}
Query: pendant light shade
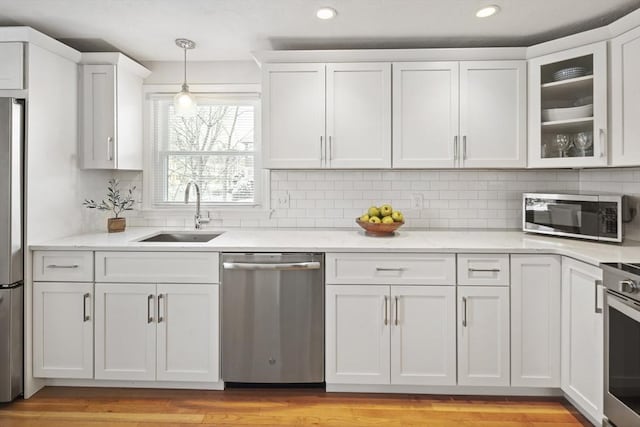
{"x": 185, "y": 102}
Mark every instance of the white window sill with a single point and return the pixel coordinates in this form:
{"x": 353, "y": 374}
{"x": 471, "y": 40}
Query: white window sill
{"x": 215, "y": 212}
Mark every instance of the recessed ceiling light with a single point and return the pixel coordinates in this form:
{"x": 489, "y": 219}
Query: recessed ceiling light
{"x": 326, "y": 13}
{"x": 487, "y": 11}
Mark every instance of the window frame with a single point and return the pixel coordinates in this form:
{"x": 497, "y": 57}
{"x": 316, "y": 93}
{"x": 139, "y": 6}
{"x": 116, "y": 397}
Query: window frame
{"x": 248, "y": 94}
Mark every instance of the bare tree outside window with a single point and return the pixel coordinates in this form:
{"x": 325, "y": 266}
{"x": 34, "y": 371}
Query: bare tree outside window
{"x": 215, "y": 148}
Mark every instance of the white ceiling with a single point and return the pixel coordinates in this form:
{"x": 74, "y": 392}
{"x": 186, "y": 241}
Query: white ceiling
{"x": 231, "y": 29}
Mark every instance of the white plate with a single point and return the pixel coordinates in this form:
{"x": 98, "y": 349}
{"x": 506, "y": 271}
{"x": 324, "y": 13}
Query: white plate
{"x": 569, "y": 73}
{"x": 554, "y": 114}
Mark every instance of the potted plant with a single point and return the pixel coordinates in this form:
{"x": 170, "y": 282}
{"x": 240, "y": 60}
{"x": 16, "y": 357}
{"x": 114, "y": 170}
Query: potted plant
{"x": 115, "y": 203}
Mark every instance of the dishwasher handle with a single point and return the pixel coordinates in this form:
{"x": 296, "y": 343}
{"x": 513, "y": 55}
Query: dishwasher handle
{"x": 309, "y": 265}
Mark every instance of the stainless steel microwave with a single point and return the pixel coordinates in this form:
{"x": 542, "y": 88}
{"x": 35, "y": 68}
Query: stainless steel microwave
{"x": 585, "y": 216}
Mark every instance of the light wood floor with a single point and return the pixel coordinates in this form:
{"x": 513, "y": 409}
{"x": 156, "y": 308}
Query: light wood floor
{"x": 94, "y": 407}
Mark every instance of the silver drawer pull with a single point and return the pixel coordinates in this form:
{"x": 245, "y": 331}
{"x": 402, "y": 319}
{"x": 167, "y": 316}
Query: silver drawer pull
{"x": 85, "y": 316}
{"x": 62, "y": 266}
{"x": 464, "y": 312}
{"x": 149, "y": 309}
{"x": 390, "y": 269}
{"x": 386, "y": 310}
{"x": 312, "y": 265}
{"x": 484, "y": 270}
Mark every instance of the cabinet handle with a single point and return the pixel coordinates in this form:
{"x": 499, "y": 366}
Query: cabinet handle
{"x": 62, "y": 266}
{"x": 110, "y": 148}
{"x": 603, "y": 134}
{"x": 86, "y": 298}
{"x": 464, "y": 312}
{"x": 330, "y": 148}
{"x": 390, "y": 269}
{"x": 149, "y": 308}
{"x": 386, "y": 310}
{"x": 160, "y": 299}
{"x": 455, "y": 148}
{"x": 464, "y": 147}
{"x": 598, "y": 309}
{"x": 484, "y": 270}
{"x": 321, "y": 150}
{"x": 396, "y": 313}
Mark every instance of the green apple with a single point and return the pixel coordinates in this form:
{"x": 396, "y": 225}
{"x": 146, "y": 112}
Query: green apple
{"x": 397, "y": 216}
{"x": 373, "y": 211}
{"x": 374, "y": 220}
{"x": 387, "y": 220}
{"x": 364, "y": 218}
{"x": 386, "y": 210}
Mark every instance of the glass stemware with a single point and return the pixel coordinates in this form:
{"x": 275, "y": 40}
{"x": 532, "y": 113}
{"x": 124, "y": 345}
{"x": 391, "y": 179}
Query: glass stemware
{"x": 583, "y": 141}
{"x": 563, "y": 142}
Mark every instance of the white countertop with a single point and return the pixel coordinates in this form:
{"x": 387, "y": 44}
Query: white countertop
{"x": 321, "y": 240}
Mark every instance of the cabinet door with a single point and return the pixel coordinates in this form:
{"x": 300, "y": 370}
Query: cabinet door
{"x": 293, "y": 100}
{"x": 582, "y": 336}
{"x": 359, "y": 115}
{"x": 125, "y": 331}
{"x": 625, "y": 92}
{"x": 98, "y": 122}
{"x": 63, "y": 330}
{"x": 558, "y": 83}
{"x": 423, "y": 335}
{"x": 535, "y": 320}
{"x": 493, "y": 119}
{"x": 357, "y": 334}
{"x": 11, "y": 66}
{"x": 483, "y": 335}
{"x": 188, "y": 331}
{"x": 425, "y": 114}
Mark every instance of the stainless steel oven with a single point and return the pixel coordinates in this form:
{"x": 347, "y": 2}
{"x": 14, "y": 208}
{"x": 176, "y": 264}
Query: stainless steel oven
{"x": 581, "y": 215}
{"x": 622, "y": 344}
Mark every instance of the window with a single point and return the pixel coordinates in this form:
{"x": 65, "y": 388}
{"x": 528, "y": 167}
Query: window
{"x": 217, "y": 149}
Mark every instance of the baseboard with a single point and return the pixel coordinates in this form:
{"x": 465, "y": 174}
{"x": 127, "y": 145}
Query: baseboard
{"x": 450, "y": 390}
{"x": 219, "y": 385}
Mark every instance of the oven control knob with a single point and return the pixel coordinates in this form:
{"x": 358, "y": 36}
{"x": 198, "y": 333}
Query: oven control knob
{"x": 629, "y": 286}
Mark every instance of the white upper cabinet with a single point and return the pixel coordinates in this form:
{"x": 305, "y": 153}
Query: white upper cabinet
{"x": 11, "y": 65}
{"x": 466, "y": 114}
{"x": 293, "y": 100}
{"x": 359, "y": 115}
{"x": 425, "y": 114}
{"x": 625, "y": 93}
{"x": 493, "y": 105}
{"x": 568, "y": 108}
{"x": 111, "y": 112}
{"x": 327, "y": 115}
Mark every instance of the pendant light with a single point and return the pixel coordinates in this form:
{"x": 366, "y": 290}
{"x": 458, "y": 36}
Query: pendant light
{"x": 185, "y": 102}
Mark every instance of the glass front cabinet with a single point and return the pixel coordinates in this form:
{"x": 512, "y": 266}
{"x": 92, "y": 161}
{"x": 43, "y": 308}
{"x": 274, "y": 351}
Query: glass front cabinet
{"x": 568, "y": 108}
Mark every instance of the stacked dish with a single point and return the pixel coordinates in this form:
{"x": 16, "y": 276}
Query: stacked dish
{"x": 569, "y": 73}
{"x": 553, "y": 114}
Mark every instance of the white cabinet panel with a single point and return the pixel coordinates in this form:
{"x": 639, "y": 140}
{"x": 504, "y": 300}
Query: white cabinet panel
{"x": 11, "y": 65}
{"x": 535, "y": 320}
{"x": 154, "y": 267}
{"x": 188, "y": 332}
{"x": 483, "y": 269}
{"x": 625, "y": 92}
{"x": 493, "y": 106}
{"x": 293, "y": 100}
{"x": 425, "y": 114}
{"x": 99, "y": 116}
{"x": 63, "y": 266}
{"x": 582, "y": 336}
{"x": 63, "y": 330}
{"x": 423, "y": 335}
{"x": 483, "y": 335}
{"x": 125, "y": 334}
{"x": 359, "y": 115}
{"x": 409, "y": 269}
{"x": 357, "y": 334}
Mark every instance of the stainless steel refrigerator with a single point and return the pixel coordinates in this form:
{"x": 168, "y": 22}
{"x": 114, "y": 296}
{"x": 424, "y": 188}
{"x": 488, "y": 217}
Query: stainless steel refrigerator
{"x": 11, "y": 247}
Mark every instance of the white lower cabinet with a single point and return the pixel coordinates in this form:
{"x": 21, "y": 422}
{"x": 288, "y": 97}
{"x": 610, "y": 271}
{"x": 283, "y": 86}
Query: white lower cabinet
{"x": 379, "y": 334}
{"x": 164, "y": 332}
{"x": 63, "y": 330}
{"x": 535, "y": 320}
{"x": 483, "y": 335}
{"x": 582, "y": 336}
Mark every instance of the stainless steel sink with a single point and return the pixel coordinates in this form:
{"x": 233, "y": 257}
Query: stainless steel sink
{"x": 178, "y": 237}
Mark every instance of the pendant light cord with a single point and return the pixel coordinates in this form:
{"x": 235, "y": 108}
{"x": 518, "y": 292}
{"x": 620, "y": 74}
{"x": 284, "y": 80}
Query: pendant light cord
{"x": 185, "y": 66}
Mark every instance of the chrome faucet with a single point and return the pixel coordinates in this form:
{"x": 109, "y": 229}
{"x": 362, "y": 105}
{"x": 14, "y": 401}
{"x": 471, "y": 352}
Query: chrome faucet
{"x": 197, "y": 219}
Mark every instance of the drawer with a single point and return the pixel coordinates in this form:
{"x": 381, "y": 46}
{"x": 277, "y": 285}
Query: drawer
{"x": 389, "y": 269}
{"x": 63, "y": 266}
{"x": 483, "y": 269}
{"x": 157, "y": 267}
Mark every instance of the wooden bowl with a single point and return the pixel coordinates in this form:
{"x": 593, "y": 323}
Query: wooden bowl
{"x": 379, "y": 230}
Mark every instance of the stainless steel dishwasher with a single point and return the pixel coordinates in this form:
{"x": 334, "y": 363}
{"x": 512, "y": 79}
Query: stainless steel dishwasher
{"x": 273, "y": 318}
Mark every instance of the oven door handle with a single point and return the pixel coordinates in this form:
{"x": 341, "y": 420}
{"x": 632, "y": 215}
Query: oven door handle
{"x": 623, "y": 305}
{"x": 310, "y": 265}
